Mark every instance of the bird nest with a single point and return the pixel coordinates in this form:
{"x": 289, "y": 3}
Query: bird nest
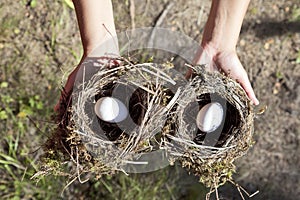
{"x": 210, "y": 155}
{"x": 145, "y": 89}
{"x": 162, "y": 108}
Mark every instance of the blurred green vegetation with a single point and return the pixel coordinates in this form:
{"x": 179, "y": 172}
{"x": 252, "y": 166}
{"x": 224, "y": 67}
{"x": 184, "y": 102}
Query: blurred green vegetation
{"x": 296, "y": 13}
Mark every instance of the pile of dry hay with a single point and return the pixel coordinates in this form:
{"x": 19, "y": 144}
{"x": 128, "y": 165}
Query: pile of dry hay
{"x": 161, "y": 117}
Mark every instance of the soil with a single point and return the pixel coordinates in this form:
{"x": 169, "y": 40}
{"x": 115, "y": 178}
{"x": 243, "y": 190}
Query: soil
{"x": 41, "y": 43}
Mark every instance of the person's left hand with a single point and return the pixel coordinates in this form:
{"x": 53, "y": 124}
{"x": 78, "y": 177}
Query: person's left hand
{"x": 228, "y": 62}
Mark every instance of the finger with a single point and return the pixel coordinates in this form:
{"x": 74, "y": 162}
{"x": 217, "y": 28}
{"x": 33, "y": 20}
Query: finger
{"x": 56, "y": 107}
{"x": 189, "y": 73}
{"x": 249, "y": 90}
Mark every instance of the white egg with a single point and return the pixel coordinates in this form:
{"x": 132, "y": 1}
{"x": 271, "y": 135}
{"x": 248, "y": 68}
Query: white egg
{"x": 110, "y": 109}
{"x": 210, "y": 117}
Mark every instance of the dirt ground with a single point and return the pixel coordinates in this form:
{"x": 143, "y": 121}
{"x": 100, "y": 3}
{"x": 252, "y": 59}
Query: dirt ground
{"x": 39, "y": 43}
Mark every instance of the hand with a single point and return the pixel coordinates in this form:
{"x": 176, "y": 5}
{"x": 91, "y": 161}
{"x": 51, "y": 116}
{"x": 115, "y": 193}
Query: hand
{"x": 219, "y": 41}
{"x": 98, "y": 36}
{"x": 228, "y": 62}
{"x": 65, "y": 95}
{"x": 65, "y": 98}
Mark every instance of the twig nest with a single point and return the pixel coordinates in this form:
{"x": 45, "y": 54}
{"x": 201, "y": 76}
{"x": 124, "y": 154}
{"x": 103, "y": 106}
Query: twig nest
{"x": 213, "y": 126}
{"x": 119, "y": 112}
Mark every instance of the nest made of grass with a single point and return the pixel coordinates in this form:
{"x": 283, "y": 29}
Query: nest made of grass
{"x": 155, "y": 110}
{"x": 212, "y": 162}
{"x": 103, "y": 148}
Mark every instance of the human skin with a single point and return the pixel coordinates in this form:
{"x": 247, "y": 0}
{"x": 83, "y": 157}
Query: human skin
{"x": 96, "y": 25}
{"x": 220, "y": 37}
{"x": 218, "y": 46}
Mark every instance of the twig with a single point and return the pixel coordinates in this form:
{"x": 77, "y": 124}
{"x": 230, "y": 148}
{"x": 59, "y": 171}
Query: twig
{"x": 164, "y": 14}
{"x": 200, "y": 14}
{"x": 142, "y": 87}
{"x": 159, "y": 21}
{"x": 66, "y": 186}
{"x": 161, "y": 72}
{"x": 35, "y": 125}
{"x": 146, "y": 8}
{"x": 112, "y": 36}
{"x": 209, "y": 193}
{"x": 173, "y": 100}
{"x": 62, "y": 144}
{"x": 216, "y": 188}
{"x": 132, "y": 13}
{"x": 193, "y": 144}
{"x": 92, "y": 137}
{"x": 136, "y": 162}
{"x": 240, "y": 189}
{"x": 77, "y": 167}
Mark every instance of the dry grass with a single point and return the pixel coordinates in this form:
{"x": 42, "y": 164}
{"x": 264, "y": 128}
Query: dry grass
{"x": 213, "y": 162}
{"x": 96, "y": 150}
